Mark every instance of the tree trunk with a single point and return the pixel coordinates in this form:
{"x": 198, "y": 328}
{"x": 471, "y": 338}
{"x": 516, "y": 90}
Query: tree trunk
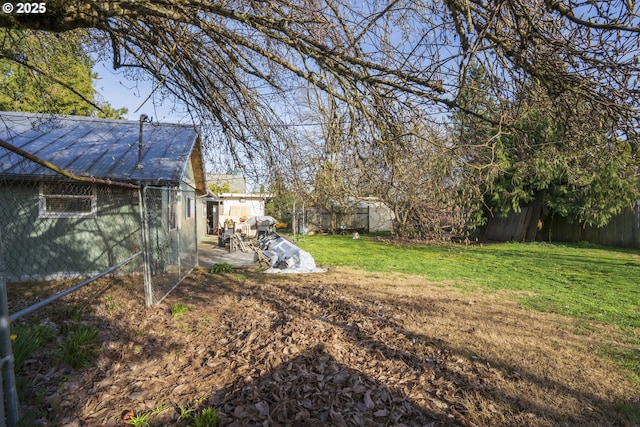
{"x": 532, "y": 224}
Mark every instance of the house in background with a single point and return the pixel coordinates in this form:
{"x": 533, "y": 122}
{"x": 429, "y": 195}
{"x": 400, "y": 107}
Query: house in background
{"x": 52, "y": 226}
{"x": 231, "y": 182}
{"x": 235, "y": 203}
{"x": 241, "y": 206}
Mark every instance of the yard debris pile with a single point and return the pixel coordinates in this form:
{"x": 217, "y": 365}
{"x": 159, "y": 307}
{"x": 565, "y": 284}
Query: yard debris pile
{"x": 284, "y": 256}
{"x": 291, "y": 352}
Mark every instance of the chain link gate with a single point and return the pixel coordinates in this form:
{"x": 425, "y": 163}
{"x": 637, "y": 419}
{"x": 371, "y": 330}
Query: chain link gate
{"x": 170, "y": 238}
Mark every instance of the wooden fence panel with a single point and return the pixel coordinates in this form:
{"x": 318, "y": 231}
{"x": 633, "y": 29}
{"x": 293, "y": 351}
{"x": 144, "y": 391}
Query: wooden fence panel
{"x": 623, "y": 231}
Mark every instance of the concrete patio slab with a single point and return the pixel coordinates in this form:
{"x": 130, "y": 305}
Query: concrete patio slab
{"x": 209, "y": 253}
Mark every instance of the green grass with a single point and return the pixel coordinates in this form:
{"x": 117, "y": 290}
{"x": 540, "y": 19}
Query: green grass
{"x": 593, "y": 283}
{"x": 208, "y": 417}
{"x": 143, "y": 419}
{"x": 631, "y": 411}
{"x": 585, "y": 282}
{"x": 224, "y": 267}
{"x": 178, "y": 310}
{"x": 26, "y": 340}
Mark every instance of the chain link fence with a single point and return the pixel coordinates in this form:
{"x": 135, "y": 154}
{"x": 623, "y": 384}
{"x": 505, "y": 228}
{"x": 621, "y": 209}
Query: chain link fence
{"x": 65, "y": 229}
{"x": 60, "y": 229}
{"x": 334, "y": 220}
{"x": 171, "y": 238}
{"x": 56, "y": 225}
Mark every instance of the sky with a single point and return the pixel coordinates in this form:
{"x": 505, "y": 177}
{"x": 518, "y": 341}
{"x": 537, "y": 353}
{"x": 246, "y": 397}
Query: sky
{"x": 138, "y": 96}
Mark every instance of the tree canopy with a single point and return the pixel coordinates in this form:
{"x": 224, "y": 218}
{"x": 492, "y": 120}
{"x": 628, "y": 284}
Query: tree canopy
{"x": 219, "y": 56}
{"x": 46, "y": 72}
{"x": 568, "y": 162}
{"x": 240, "y": 66}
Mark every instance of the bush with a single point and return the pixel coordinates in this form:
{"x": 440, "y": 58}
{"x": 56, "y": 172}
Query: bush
{"x": 177, "y": 310}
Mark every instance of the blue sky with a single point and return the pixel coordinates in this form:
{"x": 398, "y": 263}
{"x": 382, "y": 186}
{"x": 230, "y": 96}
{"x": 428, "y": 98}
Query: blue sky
{"x": 138, "y": 96}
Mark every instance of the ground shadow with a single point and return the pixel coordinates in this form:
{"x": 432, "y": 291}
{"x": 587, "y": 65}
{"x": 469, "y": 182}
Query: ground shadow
{"x": 314, "y": 389}
{"x": 457, "y": 370}
{"x": 292, "y": 351}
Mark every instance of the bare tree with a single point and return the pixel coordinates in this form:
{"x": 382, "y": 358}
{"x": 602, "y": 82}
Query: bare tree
{"x": 229, "y": 61}
{"x": 409, "y": 165}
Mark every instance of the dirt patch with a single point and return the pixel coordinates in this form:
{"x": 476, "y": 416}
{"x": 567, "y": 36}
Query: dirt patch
{"x": 340, "y": 348}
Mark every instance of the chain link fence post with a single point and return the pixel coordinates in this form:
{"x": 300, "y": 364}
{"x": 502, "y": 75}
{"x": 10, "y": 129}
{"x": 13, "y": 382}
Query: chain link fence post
{"x": 10, "y": 408}
{"x": 146, "y": 255}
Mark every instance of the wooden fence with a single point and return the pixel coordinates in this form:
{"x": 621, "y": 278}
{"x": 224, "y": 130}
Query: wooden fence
{"x": 622, "y": 231}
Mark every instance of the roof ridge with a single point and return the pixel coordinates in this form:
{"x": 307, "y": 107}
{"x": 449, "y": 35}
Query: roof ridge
{"x": 69, "y": 117}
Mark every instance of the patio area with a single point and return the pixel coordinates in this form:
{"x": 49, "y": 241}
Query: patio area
{"x": 209, "y": 253}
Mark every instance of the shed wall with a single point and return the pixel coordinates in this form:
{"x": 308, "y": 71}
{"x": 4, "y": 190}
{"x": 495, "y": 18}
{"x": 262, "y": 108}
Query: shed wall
{"x": 37, "y": 247}
{"x": 380, "y": 218}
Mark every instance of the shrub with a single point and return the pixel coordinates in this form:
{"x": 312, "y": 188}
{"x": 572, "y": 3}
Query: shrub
{"x": 177, "y": 310}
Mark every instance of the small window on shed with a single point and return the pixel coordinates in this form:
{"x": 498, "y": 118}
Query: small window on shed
{"x": 191, "y": 207}
{"x": 67, "y": 200}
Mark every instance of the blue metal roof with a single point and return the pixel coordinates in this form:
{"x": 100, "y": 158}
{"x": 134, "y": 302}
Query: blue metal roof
{"x": 97, "y": 148}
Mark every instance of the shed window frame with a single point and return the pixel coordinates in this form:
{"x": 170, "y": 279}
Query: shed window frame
{"x": 66, "y": 196}
{"x": 191, "y": 208}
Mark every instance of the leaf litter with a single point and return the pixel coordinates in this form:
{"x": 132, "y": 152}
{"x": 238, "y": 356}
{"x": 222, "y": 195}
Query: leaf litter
{"x": 342, "y": 348}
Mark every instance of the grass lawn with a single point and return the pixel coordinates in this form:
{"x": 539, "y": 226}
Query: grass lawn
{"x": 585, "y": 282}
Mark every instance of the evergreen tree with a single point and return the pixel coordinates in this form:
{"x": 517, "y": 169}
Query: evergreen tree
{"x": 558, "y": 157}
{"x": 49, "y": 73}
{"x": 108, "y": 112}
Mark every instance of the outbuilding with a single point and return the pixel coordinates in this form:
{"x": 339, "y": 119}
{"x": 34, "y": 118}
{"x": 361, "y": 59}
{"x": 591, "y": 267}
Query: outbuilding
{"x": 78, "y": 194}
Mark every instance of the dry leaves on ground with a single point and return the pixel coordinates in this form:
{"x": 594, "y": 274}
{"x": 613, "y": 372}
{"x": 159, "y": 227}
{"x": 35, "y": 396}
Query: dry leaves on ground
{"x": 343, "y": 348}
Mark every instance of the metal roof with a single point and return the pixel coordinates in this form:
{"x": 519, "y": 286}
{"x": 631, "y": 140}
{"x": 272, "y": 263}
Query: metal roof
{"x": 96, "y": 148}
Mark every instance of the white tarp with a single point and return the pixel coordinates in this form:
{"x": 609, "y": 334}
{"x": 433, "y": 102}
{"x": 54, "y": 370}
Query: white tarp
{"x": 261, "y": 219}
{"x": 286, "y": 257}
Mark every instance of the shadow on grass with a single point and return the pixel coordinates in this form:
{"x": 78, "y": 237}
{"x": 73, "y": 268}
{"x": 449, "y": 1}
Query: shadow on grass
{"x": 314, "y": 389}
{"x": 449, "y": 375}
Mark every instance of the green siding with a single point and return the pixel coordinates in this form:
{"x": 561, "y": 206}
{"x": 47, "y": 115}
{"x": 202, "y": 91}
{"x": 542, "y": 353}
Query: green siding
{"x": 36, "y": 248}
